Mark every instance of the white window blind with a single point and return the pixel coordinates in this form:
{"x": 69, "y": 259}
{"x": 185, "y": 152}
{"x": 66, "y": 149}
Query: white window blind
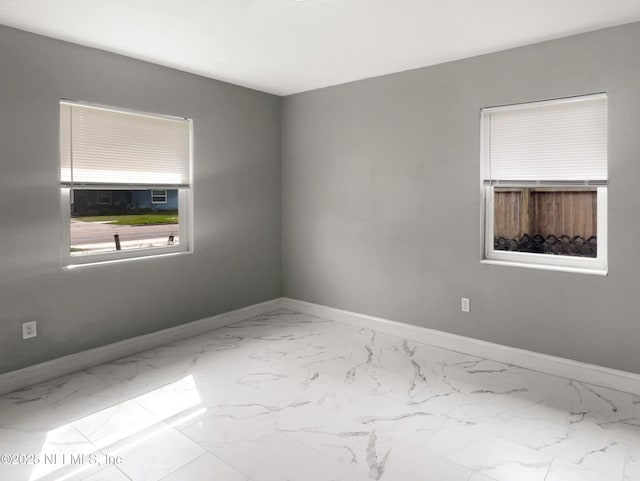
{"x": 110, "y": 147}
{"x": 563, "y": 140}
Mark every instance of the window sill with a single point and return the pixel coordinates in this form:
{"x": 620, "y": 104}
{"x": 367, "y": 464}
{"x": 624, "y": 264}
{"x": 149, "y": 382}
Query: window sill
{"x": 546, "y": 267}
{"x": 98, "y": 262}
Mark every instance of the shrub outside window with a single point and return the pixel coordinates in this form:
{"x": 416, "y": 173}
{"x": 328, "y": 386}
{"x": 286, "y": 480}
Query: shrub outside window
{"x": 125, "y": 180}
{"x": 544, "y": 173}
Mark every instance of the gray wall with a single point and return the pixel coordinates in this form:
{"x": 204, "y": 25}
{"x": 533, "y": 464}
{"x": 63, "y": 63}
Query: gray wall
{"x": 381, "y": 202}
{"x": 236, "y": 190}
{"x": 380, "y": 199}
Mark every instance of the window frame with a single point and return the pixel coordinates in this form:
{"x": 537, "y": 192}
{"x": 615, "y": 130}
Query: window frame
{"x": 586, "y": 265}
{"x": 153, "y": 195}
{"x": 185, "y": 211}
{"x": 590, "y": 265}
{"x": 184, "y": 236}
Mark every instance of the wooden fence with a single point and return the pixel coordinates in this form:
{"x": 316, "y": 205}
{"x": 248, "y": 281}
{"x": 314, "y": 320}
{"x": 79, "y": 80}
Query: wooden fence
{"x": 537, "y": 211}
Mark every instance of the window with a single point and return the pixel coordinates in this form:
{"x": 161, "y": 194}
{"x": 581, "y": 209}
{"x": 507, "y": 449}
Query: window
{"x": 545, "y": 184}
{"x": 158, "y": 196}
{"x": 104, "y": 197}
{"x": 125, "y": 183}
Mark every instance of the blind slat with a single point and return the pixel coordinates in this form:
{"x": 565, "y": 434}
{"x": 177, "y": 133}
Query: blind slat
{"x": 102, "y": 146}
{"x": 547, "y": 141}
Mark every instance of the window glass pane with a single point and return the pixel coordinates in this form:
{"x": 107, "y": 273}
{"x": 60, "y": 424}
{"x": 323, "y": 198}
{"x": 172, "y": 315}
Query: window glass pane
{"x": 159, "y": 196}
{"x": 131, "y": 220}
{"x": 552, "y": 221}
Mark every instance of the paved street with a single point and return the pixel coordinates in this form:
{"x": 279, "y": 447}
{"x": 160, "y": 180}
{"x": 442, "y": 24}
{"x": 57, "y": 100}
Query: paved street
{"x": 83, "y": 233}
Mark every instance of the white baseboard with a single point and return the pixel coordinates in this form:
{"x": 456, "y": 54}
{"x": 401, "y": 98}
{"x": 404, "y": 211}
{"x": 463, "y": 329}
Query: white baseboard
{"x": 557, "y": 366}
{"x": 21, "y": 378}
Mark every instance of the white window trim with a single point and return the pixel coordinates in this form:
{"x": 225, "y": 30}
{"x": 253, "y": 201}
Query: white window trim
{"x": 185, "y": 212}
{"x": 159, "y": 201}
{"x": 586, "y": 265}
{"x": 583, "y": 265}
{"x": 184, "y": 236}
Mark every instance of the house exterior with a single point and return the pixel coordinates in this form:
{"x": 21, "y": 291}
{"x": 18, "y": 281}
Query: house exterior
{"x": 109, "y": 202}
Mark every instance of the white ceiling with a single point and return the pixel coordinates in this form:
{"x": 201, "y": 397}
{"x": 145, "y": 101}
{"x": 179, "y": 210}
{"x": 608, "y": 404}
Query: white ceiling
{"x": 289, "y": 46}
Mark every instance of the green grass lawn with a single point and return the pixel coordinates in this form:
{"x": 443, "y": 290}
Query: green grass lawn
{"x": 140, "y": 219}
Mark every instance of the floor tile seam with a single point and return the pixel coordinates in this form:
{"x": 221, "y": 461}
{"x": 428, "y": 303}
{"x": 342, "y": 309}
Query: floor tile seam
{"x": 339, "y": 412}
{"x": 109, "y": 405}
{"x": 549, "y": 458}
{"x": 109, "y": 383}
{"x": 559, "y": 457}
{"x": 460, "y": 465}
{"x": 160, "y": 421}
{"x": 433, "y": 433}
{"x": 434, "y": 453}
{"x": 123, "y": 473}
{"x": 549, "y": 469}
{"x": 264, "y": 419}
{"x": 624, "y": 470}
{"x": 600, "y": 473}
{"x": 116, "y": 363}
{"x": 87, "y": 372}
{"x": 390, "y": 435}
{"x": 609, "y": 439}
{"x": 67, "y": 471}
{"x": 196, "y": 459}
{"x": 490, "y": 478}
{"x": 104, "y": 384}
{"x": 508, "y": 411}
{"x": 504, "y": 426}
{"x": 290, "y": 436}
{"x": 536, "y": 450}
{"x": 183, "y": 464}
{"x": 68, "y": 468}
{"x": 209, "y": 451}
{"x": 86, "y": 438}
{"x": 159, "y": 426}
{"x": 508, "y": 463}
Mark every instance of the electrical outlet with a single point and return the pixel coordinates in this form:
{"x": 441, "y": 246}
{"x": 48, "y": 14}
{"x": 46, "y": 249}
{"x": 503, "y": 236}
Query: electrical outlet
{"x": 465, "y": 304}
{"x": 29, "y": 329}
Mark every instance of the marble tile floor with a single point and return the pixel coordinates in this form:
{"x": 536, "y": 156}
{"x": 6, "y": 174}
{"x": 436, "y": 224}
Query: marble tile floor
{"x": 288, "y": 397}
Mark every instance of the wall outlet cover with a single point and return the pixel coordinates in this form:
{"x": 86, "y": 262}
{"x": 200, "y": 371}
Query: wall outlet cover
{"x": 29, "y": 329}
{"x": 465, "y": 304}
